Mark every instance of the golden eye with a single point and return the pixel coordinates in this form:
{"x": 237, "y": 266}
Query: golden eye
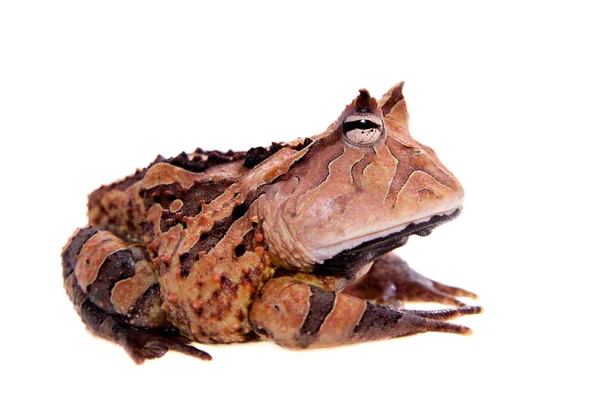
{"x": 362, "y": 129}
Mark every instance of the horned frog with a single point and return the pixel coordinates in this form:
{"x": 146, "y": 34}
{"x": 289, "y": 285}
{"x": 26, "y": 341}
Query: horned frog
{"x": 291, "y": 243}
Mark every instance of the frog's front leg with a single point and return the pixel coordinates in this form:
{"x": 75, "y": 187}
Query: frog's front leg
{"x": 390, "y": 278}
{"x": 298, "y": 315}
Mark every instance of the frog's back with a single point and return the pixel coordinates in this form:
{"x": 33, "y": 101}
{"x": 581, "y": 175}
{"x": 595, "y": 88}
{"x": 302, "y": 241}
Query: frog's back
{"x": 192, "y": 215}
{"x": 179, "y": 186}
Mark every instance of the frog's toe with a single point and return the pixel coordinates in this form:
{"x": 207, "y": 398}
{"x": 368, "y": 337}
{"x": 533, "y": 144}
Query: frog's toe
{"x": 146, "y": 344}
{"x": 453, "y": 291}
{"x": 446, "y": 314}
{"x": 390, "y": 278}
{"x": 425, "y": 289}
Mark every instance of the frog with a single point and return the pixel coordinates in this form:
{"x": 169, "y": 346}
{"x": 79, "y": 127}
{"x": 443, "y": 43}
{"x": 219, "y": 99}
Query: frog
{"x": 292, "y": 243}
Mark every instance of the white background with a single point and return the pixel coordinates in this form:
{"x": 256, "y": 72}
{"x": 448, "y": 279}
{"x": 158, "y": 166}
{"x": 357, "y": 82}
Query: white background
{"x": 507, "y": 93}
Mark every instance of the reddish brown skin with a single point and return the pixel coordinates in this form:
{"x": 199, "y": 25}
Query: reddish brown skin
{"x": 194, "y": 248}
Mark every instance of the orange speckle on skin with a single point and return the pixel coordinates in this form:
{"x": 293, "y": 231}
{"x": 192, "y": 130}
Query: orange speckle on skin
{"x": 217, "y": 277}
{"x": 164, "y": 306}
{"x": 259, "y": 250}
{"x": 172, "y": 297}
{"x": 259, "y": 237}
{"x": 197, "y": 304}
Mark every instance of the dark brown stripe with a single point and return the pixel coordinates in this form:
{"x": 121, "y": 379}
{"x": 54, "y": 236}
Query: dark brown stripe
{"x": 198, "y": 161}
{"x": 376, "y": 322}
{"x": 146, "y": 310}
{"x": 326, "y": 177}
{"x": 256, "y": 155}
{"x": 328, "y": 147}
{"x": 209, "y": 239}
{"x": 117, "y": 266}
{"x": 401, "y": 175}
{"x": 316, "y": 146}
{"x": 394, "y": 186}
{"x": 192, "y": 198}
{"x": 69, "y": 256}
{"x": 358, "y": 169}
{"x": 321, "y": 304}
{"x": 143, "y": 302}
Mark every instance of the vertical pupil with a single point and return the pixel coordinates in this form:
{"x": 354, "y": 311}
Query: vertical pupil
{"x": 362, "y": 124}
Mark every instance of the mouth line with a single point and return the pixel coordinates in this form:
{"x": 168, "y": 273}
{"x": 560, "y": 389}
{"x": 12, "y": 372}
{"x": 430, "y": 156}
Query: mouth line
{"x": 347, "y": 262}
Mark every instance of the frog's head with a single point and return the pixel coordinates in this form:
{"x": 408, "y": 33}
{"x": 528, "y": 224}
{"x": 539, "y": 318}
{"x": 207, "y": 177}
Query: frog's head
{"x": 361, "y": 188}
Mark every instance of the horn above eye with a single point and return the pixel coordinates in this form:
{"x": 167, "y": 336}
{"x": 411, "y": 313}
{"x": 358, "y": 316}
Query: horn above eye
{"x": 362, "y": 129}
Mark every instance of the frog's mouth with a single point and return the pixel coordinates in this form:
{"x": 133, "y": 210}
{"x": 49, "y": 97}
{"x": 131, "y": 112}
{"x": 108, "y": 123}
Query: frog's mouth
{"x": 349, "y": 261}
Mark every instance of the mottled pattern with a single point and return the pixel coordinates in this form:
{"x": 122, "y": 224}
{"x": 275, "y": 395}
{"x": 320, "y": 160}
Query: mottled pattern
{"x": 226, "y": 247}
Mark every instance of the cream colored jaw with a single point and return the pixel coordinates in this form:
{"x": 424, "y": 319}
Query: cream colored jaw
{"x": 326, "y": 253}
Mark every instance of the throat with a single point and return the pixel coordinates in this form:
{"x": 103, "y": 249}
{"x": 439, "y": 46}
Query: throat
{"x": 349, "y": 262}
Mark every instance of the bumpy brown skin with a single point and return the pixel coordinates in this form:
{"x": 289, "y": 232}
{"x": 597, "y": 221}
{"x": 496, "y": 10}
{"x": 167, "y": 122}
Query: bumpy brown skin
{"x": 228, "y": 247}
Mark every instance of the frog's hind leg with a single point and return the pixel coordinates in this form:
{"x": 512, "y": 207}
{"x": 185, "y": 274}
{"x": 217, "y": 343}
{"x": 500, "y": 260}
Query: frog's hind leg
{"x": 298, "y": 315}
{"x": 390, "y": 278}
{"x": 115, "y": 291}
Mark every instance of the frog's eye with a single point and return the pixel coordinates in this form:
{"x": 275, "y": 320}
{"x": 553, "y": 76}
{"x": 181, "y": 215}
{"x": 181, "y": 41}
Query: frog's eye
{"x": 362, "y": 129}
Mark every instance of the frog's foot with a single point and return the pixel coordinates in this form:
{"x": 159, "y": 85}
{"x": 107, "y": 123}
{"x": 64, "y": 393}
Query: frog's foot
{"x": 390, "y": 278}
{"x": 145, "y": 344}
{"x": 140, "y": 343}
